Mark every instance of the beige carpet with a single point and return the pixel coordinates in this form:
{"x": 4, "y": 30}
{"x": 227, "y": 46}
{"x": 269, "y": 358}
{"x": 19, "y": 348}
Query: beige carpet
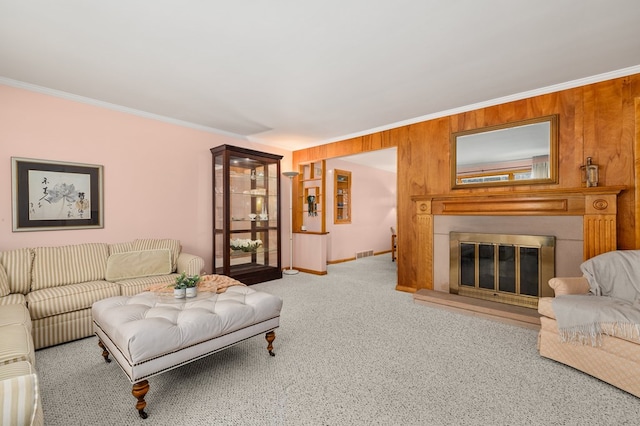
{"x": 350, "y": 351}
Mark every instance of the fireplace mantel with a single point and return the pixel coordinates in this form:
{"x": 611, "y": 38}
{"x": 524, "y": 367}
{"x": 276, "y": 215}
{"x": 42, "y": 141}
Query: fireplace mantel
{"x": 596, "y": 205}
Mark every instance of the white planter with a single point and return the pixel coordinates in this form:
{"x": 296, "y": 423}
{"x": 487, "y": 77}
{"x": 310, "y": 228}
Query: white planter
{"x": 192, "y": 291}
{"x": 179, "y": 293}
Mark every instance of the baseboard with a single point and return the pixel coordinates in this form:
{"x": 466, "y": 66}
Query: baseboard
{"x": 309, "y": 271}
{"x": 332, "y": 262}
{"x": 349, "y": 259}
{"x": 405, "y": 289}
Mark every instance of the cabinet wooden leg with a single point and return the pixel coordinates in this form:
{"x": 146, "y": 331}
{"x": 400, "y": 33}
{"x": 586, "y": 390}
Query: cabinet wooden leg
{"x": 105, "y": 352}
{"x": 139, "y": 390}
{"x": 270, "y": 336}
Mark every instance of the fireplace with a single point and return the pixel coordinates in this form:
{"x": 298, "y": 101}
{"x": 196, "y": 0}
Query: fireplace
{"x": 512, "y": 269}
{"x": 594, "y": 209}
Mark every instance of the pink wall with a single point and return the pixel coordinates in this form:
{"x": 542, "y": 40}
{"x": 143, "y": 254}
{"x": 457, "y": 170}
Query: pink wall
{"x": 373, "y": 211}
{"x": 157, "y": 176}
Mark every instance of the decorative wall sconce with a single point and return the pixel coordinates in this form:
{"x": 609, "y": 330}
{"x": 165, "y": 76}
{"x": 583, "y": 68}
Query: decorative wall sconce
{"x": 590, "y": 173}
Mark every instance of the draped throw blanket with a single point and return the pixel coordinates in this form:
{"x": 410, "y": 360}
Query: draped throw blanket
{"x": 612, "y": 306}
{"x": 584, "y": 318}
{"x": 213, "y": 283}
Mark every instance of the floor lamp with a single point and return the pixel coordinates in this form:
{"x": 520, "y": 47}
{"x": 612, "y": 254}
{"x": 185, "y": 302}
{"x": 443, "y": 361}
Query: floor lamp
{"x": 290, "y": 271}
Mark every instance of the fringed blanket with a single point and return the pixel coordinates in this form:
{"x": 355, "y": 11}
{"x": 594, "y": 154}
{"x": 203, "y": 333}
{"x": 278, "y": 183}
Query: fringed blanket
{"x": 585, "y": 318}
{"x": 213, "y": 283}
{"x": 613, "y": 305}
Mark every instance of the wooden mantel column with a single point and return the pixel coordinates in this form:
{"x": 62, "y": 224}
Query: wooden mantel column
{"x": 597, "y": 206}
{"x": 599, "y": 224}
{"x": 424, "y": 269}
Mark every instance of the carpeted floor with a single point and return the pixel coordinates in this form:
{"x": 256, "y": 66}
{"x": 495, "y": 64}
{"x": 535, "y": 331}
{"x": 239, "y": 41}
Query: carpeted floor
{"x": 350, "y": 351}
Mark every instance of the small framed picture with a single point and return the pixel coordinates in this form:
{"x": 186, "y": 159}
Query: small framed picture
{"x": 53, "y": 195}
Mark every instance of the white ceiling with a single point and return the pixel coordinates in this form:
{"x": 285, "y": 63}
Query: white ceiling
{"x": 295, "y": 74}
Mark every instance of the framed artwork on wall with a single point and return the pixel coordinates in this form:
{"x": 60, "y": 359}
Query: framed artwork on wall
{"x": 53, "y": 195}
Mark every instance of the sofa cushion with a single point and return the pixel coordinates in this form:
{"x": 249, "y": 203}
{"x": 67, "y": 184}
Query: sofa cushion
{"x": 135, "y": 286}
{"x": 134, "y": 264}
{"x": 60, "y": 266}
{"x": 4, "y": 282}
{"x": 13, "y": 299}
{"x": 17, "y": 264}
{"x": 16, "y": 344}
{"x": 120, "y": 247}
{"x": 73, "y": 297}
{"x": 154, "y": 244}
{"x": 15, "y": 314}
{"x": 15, "y": 369}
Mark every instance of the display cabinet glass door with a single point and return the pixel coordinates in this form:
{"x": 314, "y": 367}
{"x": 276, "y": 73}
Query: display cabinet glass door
{"x": 246, "y": 215}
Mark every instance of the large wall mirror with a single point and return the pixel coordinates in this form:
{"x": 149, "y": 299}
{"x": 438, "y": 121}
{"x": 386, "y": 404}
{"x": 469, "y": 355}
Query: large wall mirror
{"x": 518, "y": 153}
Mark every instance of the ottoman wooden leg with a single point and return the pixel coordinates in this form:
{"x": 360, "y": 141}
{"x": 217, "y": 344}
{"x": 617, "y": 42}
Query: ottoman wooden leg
{"x": 139, "y": 390}
{"x": 270, "y": 336}
{"x": 105, "y": 352}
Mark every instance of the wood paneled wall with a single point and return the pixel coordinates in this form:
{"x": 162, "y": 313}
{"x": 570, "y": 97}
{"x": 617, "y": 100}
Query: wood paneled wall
{"x": 598, "y": 120}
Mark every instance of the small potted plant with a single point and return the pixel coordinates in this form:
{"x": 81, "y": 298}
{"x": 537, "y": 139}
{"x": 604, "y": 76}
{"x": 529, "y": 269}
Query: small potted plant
{"x": 179, "y": 291}
{"x": 187, "y": 282}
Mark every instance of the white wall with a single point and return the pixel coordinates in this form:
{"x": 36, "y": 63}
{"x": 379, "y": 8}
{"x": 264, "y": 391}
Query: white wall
{"x": 157, "y": 176}
{"x": 373, "y": 211}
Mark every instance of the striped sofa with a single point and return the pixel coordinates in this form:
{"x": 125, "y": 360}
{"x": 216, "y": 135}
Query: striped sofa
{"x": 59, "y": 284}
{"x": 46, "y": 294}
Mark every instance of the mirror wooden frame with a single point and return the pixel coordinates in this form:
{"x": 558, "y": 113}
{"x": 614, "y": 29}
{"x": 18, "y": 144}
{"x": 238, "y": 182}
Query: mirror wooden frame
{"x": 553, "y": 154}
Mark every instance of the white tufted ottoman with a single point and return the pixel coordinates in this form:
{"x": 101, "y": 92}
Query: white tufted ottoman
{"x": 151, "y": 333}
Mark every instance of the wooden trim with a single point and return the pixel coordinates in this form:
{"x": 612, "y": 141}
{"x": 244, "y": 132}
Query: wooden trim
{"x": 348, "y": 259}
{"x": 406, "y": 289}
{"x": 531, "y": 203}
{"x": 600, "y": 120}
{"x": 309, "y": 271}
{"x": 425, "y": 246}
{"x": 636, "y": 151}
{"x": 310, "y": 232}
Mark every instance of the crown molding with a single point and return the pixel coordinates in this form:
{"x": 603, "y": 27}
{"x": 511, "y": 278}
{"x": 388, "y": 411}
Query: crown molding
{"x": 114, "y": 107}
{"x": 497, "y": 101}
{"x": 492, "y": 102}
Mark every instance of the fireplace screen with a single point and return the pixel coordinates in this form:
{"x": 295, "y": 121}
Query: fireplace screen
{"x": 510, "y": 269}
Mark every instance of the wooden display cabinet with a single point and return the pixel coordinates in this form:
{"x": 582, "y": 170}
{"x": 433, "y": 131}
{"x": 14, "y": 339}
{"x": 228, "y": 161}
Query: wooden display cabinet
{"x": 246, "y": 209}
{"x": 342, "y": 188}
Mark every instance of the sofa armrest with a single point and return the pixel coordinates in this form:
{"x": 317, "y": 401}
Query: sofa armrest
{"x": 20, "y": 396}
{"x": 190, "y": 264}
{"x": 569, "y": 285}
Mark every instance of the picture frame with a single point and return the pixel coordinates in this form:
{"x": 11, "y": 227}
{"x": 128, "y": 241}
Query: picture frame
{"x": 55, "y": 195}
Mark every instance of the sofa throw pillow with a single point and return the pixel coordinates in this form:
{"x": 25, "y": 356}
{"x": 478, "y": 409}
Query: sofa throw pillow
{"x": 4, "y": 282}
{"x": 136, "y": 264}
{"x": 614, "y": 274}
{"x": 156, "y": 244}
